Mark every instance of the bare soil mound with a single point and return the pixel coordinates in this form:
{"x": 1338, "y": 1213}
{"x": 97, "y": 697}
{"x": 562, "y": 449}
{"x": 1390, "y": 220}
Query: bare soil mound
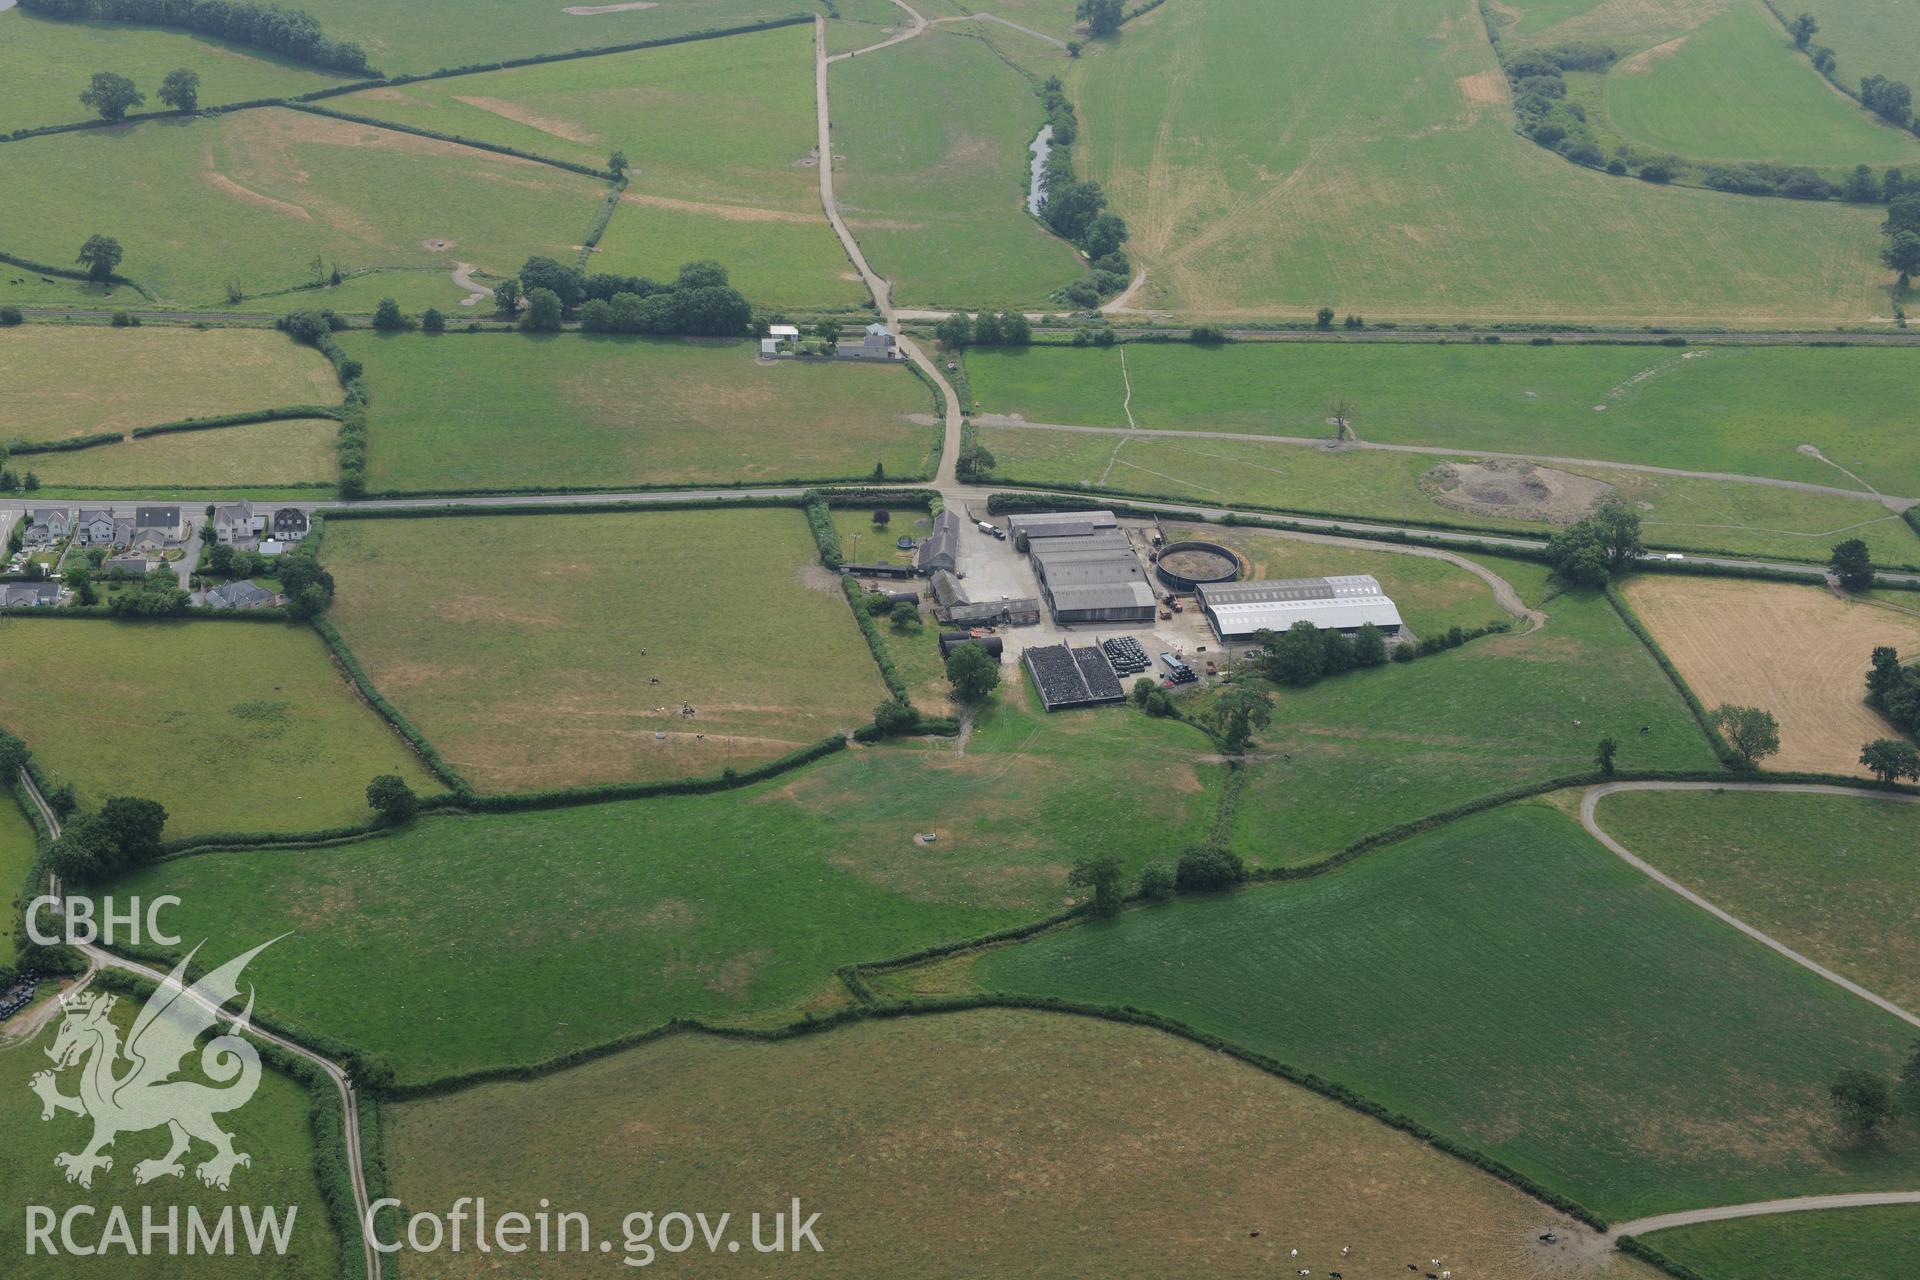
{"x": 1514, "y": 489}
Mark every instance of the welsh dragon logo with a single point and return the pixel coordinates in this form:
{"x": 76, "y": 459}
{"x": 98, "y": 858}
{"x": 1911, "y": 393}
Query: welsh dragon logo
{"x": 131, "y": 1088}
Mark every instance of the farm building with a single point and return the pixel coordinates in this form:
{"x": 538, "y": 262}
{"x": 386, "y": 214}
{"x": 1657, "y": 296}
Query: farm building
{"x": 1092, "y": 577}
{"x": 953, "y": 605}
{"x": 880, "y": 570}
{"x": 1057, "y": 524}
{"x": 876, "y": 343}
{"x": 1067, "y": 677}
{"x": 1239, "y": 610}
{"x": 941, "y": 548}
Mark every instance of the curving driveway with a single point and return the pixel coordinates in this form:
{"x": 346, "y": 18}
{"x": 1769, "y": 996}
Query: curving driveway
{"x": 1761, "y": 1208}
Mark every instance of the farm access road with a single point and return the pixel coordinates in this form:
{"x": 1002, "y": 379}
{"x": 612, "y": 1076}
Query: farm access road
{"x": 1761, "y": 1208}
{"x": 98, "y": 959}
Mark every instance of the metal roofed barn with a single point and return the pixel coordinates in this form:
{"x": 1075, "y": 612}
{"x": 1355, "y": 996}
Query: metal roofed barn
{"x": 941, "y": 548}
{"x": 1238, "y": 610}
{"x": 1092, "y": 577}
{"x": 1033, "y": 525}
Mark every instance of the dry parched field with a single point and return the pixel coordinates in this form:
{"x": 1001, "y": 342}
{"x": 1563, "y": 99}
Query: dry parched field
{"x": 1800, "y": 652}
{"x": 556, "y": 651}
{"x": 58, "y": 381}
{"x": 1077, "y": 1147}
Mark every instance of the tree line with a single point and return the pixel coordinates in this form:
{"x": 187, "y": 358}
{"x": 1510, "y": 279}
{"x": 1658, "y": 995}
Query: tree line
{"x": 292, "y": 33}
{"x": 546, "y": 294}
{"x": 1077, "y": 211}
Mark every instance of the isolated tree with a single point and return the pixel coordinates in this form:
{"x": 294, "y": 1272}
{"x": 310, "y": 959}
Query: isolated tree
{"x": 1604, "y": 753}
{"x": 129, "y": 831}
{"x": 77, "y": 856}
{"x": 1143, "y": 688}
{"x": 1803, "y": 28}
{"x": 1100, "y": 877}
{"x": 100, "y": 255}
{"x": 112, "y": 95}
{"x": 1323, "y": 318}
{"x": 882, "y": 518}
{"x": 432, "y": 321}
{"x": 387, "y": 317}
{"x": 391, "y": 797}
{"x": 955, "y": 331}
{"x": 1890, "y": 760}
{"x": 506, "y": 296}
{"x": 1618, "y": 527}
{"x": 544, "y": 312}
{"x": 1236, "y": 713}
{"x": 829, "y": 331}
{"x": 1753, "y": 733}
{"x": 617, "y": 162}
{"x": 972, "y": 671}
{"x": 1852, "y": 565}
{"x": 974, "y": 464}
{"x": 1862, "y": 1100}
{"x": 1203, "y": 868}
{"x": 1901, "y": 254}
{"x": 905, "y": 616}
{"x": 1823, "y": 59}
{"x": 181, "y": 91}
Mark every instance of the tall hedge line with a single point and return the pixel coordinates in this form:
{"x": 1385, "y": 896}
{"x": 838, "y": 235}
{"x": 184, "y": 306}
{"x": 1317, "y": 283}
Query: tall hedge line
{"x": 825, "y": 536}
{"x": 366, "y": 511}
{"x": 478, "y": 144}
{"x": 291, "y": 33}
{"x": 568, "y": 797}
{"x": 285, "y": 414}
{"x": 26, "y": 448}
{"x": 68, "y": 273}
{"x": 1721, "y": 748}
{"x": 876, "y": 643}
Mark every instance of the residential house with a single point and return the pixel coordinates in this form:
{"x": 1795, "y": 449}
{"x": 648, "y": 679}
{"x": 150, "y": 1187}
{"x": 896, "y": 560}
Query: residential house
{"x": 290, "y": 524}
{"x": 237, "y": 522}
{"x": 131, "y": 564}
{"x": 240, "y": 595}
{"x": 156, "y": 527}
{"x": 94, "y": 527}
{"x": 30, "y": 595}
{"x": 877, "y": 343}
{"x": 49, "y": 525}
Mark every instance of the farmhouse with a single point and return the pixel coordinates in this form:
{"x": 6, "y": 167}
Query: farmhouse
{"x": 1057, "y": 524}
{"x": 1239, "y": 610}
{"x": 877, "y": 343}
{"x": 941, "y": 548}
{"x": 1092, "y": 577}
{"x": 1066, "y": 677}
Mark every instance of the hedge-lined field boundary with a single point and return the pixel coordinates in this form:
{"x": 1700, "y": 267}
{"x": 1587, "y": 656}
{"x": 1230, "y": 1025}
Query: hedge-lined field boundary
{"x": 396, "y": 720}
{"x": 326, "y": 1127}
{"x": 27, "y": 448}
{"x": 1715, "y": 738}
{"x": 477, "y": 144}
{"x": 68, "y": 273}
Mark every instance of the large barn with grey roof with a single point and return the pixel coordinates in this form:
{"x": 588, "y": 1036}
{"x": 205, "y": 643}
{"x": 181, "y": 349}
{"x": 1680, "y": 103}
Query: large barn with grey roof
{"x": 1241, "y": 610}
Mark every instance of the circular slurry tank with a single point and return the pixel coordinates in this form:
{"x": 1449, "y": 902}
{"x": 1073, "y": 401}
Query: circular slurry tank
{"x": 1186, "y": 565}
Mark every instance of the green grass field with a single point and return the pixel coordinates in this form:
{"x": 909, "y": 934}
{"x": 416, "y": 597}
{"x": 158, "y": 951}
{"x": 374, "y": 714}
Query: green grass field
{"x": 432, "y": 34}
{"x": 1832, "y": 877}
{"x": 272, "y": 1128}
{"x": 1861, "y": 1244}
{"x": 1734, "y": 90}
{"x": 252, "y": 198}
{"x": 1031, "y": 1161}
{"x": 148, "y": 376}
{"x": 935, "y": 134}
{"x": 589, "y": 923}
{"x": 603, "y": 412}
{"x": 540, "y": 652}
{"x": 18, "y": 852}
{"x": 1510, "y": 983}
{"x": 1676, "y": 512}
{"x": 1362, "y": 752}
{"x": 702, "y": 185}
{"x": 1871, "y": 37}
{"x": 296, "y": 451}
{"x": 1257, "y": 181}
{"x": 45, "y": 65}
{"x": 1741, "y": 410}
{"x": 232, "y": 726}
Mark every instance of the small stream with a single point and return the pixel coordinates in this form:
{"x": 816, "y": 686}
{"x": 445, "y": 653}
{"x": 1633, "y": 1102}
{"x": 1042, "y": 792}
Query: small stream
{"x": 1042, "y": 144}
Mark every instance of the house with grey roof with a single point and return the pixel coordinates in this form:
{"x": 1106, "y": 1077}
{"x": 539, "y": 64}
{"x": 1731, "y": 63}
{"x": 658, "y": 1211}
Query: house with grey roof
{"x": 876, "y": 343}
{"x": 157, "y": 527}
{"x": 240, "y": 595}
{"x": 30, "y": 595}
{"x": 237, "y": 522}
{"x": 48, "y": 526}
{"x": 290, "y": 524}
{"x": 131, "y": 564}
{"x": 94, "y": 527}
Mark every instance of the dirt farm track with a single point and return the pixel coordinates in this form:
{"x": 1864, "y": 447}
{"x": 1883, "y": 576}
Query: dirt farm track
{"x": 1799, "y": 652}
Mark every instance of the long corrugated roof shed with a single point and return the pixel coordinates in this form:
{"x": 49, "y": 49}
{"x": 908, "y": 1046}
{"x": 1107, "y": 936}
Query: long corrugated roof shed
{"x": 1343, "y": 602}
